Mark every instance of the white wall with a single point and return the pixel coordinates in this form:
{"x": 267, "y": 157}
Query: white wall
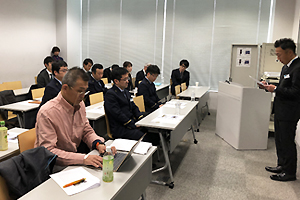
{"x": 28, "y": 32}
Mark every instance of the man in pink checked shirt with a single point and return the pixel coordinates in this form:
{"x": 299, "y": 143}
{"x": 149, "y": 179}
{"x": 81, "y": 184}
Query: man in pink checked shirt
{"x": 62, "y": 124}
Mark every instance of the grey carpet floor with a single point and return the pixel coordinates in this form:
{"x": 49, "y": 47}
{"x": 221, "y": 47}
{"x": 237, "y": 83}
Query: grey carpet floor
{"x": 214, "y": 170}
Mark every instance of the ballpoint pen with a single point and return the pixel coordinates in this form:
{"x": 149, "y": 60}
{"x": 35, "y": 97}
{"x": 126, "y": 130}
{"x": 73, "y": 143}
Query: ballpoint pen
{"x": 74, "y": 182}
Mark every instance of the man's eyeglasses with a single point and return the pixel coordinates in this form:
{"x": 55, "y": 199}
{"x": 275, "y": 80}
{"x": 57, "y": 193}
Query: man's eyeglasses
{"x": 80, "y": 92}
{"x": 125, "y": 79}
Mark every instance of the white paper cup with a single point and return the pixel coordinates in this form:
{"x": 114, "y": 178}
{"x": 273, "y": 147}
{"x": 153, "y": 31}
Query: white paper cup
{"x": 197, "y": 84}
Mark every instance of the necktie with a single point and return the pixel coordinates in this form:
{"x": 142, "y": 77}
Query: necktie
{"x": 51, "y": 76}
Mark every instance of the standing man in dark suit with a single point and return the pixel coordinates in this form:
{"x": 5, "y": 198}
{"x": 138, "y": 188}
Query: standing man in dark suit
{"x": 122, "y": 112}
{"x": 45, "y": 75}
{"x": 140, "y": 75}
{"x": 128, "y": 65}
{"x": 95, "y": 83}
{"x": 87, "y": 64}
{"x": 59, "y": 69}
{"x": 107, "y": 72}
{"x": 286, "y": 110}
{"x": 180, "y": 75}
{"x": 148, "y": 90}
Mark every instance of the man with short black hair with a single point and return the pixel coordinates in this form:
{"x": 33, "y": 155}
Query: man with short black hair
{"x": 140, "y": 75}
{"x": 128, "y": 65}
{"x": 148, "y": 89}
{"x": 59, "y": 69}
{"x": 87, "y": 64}
{"x": 122, "y": 113}
{"x": 107, "y": 72}
{"x": 286, "y": 110}
{"x": 95, "y": 83}
{"x": 45, "y": 76}
{"x": 180, "y": 75}
{"x": 62, "y": 124}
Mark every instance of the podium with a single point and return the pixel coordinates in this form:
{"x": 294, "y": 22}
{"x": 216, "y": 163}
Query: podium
{"x": 243, "y": 116}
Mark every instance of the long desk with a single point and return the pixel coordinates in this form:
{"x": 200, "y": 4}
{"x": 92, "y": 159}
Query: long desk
{"x": 129, "y": 183}
{"x": 13, "y": 147}
{"x": 201, "y": 95}
{"x": 26, "y": 112}
{"x": 170, "y": 132}
{"x": 95, "y": 114}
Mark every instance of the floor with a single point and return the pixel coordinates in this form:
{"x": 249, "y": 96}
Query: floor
{"x": 213, "y": 170}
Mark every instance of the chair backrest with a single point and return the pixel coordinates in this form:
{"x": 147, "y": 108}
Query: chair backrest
{"x": 26, "y": 140}
{"x": 4, "y": 194}
{"x": 37, "y": 93}
{"x": 96, "y": 98}
{"x": 107, "y": 126}
{"x": 2, "y": 87}
{"x": 14, "y": 85}
{"x": 133, "y": 82}
{"x": 177, "y": 89}
{"x": 35, "y": 79}
{"x": 105, "y": 80}
{"x": 183, "y": 86}
{"x": 171, "y": 82}
{"x": 139, "y": 101}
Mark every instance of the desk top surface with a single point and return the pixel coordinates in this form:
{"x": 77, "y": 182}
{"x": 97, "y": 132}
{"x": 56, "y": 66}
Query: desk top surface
{"x": 22, "y": 106}
{"x": 152, "y": 120}
{"x": 12, "y": 147}
{"x": 21, "y": 91}
{"x": 49, "y": 190}
{"x": 95, "y": 111}
{"x": 199, "y": 91}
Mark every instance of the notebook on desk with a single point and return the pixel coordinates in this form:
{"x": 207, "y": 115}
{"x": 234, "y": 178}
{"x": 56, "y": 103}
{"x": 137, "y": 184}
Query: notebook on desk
{"x": 122, "y": 157}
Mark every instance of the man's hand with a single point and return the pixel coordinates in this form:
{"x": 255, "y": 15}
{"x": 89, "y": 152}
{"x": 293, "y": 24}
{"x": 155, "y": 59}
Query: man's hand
{"x": 101, "y": 148}
{"x": 161, "y": 105}
{"x": 94, "y": 160}
{"x": 113, "y": 150}
{"x": 262, "y": 86}
{"x": 270, "y": 88}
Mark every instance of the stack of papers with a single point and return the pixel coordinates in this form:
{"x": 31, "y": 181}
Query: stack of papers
{"x": 68, "y": 176}
{"x": 168, "y": 119}
{"x": 126, "y": 145}
{"x": 99, "y": 109}
{"x": 171, "y": 104}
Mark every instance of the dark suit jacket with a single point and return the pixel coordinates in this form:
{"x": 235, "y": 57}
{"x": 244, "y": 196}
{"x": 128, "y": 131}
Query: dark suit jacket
{"x": 94, "y": 87}
{"x": 121, "y": 112}
{"x": 176, "y": 80}
{"x": 139, "y": 77}
{"x": 43, "y": 78}
{"x": 107, "y": 74}
{"x": 51, "y": 91}
{"x": 287, "y": 100}
{"x": 151, "y": 99}
{"x": 130, "y": 85}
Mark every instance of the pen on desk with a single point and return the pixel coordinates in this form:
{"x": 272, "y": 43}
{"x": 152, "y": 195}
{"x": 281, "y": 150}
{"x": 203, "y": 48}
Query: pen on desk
{"x": 74, "y": 182}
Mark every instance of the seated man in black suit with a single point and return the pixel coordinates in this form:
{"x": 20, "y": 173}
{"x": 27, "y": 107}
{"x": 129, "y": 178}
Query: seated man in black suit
{"x": 45, "y": 75}
{"x": 140, "y": 75}
{"x": 87, "y": 64}
{"x": 128, "y": 65}
{"x": 95, "y": 83}
{"x": 123, "y": 113}
{"x": 180, "y": 75}
{"x": 107, "y": 72}
{"x": 148, "y": 90}
{"x": 59, "y": 69}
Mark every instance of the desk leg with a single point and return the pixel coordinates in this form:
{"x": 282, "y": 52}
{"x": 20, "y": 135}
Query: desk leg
{"x": 167, "y": 164}
{"x": 195, "y": 141}
{"x": 20, "y": 120}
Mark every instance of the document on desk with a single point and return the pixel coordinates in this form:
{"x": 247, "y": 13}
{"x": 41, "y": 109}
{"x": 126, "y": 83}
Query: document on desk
{"x": 12, "y": 136}
{"x": 171, "y": 104}
{"x": 168, "y": 119}
{"x": 99, "y": 109}
{"x": 126, "y": 145}
{"x": 66, "y": 177}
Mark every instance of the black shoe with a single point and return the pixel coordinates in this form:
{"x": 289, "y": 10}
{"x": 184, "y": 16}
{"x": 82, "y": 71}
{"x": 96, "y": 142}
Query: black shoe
{"x": 283, "y": 177}
{"x": 277, "y": 169}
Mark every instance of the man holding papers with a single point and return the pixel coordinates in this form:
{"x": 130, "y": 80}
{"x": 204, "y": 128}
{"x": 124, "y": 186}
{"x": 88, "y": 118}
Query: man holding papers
{"x": 62, "y": 124}
{"x": 286, "y": 110}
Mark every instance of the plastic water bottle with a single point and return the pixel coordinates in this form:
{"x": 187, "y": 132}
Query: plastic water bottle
{"x": 108, "y": 166}
{"x": 3, "y": 136}
{"x": 193, "y": 96}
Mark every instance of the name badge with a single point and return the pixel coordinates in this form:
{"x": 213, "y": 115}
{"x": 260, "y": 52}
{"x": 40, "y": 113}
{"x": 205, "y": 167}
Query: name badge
{"x": 286, "y": 76}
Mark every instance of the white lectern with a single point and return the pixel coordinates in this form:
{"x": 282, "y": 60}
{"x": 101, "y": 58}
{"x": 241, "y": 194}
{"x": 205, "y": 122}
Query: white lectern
{"x": 243, "y": 116}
